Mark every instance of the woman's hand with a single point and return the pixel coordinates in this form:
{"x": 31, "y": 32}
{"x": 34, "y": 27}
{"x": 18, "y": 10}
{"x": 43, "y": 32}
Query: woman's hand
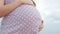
{"x": 26, "y": 2}
{"x": 29, "y": 2}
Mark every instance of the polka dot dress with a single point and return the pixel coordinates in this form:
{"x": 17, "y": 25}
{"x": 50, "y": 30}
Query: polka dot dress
{"x": 25, "y": 19}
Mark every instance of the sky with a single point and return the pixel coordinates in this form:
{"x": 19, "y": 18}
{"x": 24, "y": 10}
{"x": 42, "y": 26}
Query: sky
{"x": 50, "y": 13}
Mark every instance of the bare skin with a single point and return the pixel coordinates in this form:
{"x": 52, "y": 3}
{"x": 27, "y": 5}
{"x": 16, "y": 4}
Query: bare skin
{"x": 5, "y": 9}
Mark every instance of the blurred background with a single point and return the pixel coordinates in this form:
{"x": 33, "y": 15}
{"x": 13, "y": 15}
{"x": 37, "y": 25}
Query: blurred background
{"x": 50, "y": 13}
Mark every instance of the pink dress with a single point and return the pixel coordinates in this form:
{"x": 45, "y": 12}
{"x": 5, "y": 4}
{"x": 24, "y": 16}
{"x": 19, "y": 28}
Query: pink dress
{"x": 25, "y": 19}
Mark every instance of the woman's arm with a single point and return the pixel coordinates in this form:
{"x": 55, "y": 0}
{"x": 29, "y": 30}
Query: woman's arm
{"x": 1, "y": 2}
{"x": 5, "y": 9}
{"x": 1, "y": 5}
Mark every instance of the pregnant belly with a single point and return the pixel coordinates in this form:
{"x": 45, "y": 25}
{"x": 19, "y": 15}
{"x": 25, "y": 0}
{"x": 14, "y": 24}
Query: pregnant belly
{"x": 25, "y": 15}
{"x": 23, "y": 12}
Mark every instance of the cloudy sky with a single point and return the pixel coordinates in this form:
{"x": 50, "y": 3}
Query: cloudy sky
{"x": 50, "y": 11}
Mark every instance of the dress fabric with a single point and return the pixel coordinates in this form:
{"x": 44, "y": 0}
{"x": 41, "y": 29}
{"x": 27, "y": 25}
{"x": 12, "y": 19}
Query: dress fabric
{"x": 25, "y": 19}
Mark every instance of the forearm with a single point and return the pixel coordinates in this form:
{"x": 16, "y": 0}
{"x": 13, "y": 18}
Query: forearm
{"x": 1, "y": 2}
{"x": 8, "y": 8}
{"x": 5, "y": 9}
{"x": 1, "y": 6}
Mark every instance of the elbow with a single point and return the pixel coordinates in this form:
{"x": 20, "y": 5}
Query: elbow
{"x": 1, "y": 10}
{"x": 1, "y": 15}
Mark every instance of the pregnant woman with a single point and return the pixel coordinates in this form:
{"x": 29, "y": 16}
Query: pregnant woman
{"x": 24, "y": 19}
